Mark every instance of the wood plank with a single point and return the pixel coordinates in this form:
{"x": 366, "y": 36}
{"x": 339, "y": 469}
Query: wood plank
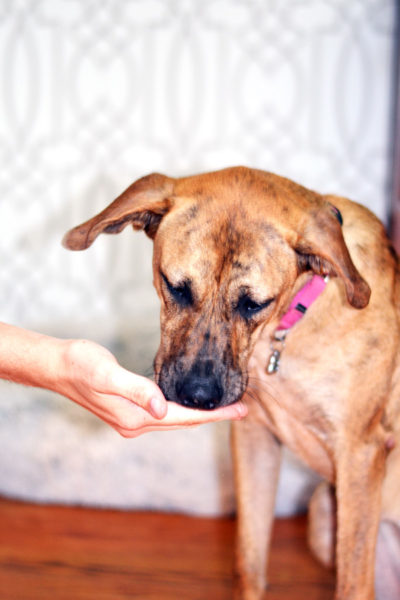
{"x": 69, "y": 553}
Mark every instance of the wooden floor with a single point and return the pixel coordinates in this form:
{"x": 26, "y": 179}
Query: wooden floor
{"x": 57, "y": 553}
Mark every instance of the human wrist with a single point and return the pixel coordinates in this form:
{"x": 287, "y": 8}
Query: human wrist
{"x": 66, "y": 371}
{"x": 56, "y": 377}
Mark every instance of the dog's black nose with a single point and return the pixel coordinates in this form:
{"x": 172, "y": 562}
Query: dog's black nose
{"x": 196, "y": 391}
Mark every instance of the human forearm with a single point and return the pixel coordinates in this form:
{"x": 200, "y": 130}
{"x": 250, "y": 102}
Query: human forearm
{"x": 30, "y": 358}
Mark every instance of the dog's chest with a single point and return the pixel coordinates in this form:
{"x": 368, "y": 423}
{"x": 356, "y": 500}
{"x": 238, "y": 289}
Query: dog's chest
{"x": 297, "y": 405}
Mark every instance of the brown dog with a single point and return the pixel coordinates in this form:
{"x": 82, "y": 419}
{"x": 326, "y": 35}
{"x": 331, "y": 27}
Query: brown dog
{"x": 231, "y": 250}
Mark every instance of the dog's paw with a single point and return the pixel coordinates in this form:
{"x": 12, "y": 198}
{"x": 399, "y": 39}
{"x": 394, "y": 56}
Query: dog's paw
{"x": 248, "y": 594}
{"x": 249, "y": 591}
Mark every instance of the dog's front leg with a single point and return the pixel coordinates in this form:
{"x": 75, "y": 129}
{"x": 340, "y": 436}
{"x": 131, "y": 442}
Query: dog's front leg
{"x": 256, "y": 456}
{"x": 360, "y": 471}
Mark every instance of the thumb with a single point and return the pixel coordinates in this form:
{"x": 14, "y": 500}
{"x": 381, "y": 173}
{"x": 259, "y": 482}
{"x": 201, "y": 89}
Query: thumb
{"x": 140, "y": 390}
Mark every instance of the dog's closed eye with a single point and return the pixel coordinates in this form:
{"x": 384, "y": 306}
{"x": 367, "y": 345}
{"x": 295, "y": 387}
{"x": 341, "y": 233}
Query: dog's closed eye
{"x": 181, "y": 294}
{"x": 248, "y": 308}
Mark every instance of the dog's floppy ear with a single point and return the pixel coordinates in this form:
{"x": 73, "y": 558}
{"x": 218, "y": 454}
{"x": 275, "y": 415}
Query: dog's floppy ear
{"x": 321, "y": 247}
{"x": 142, "y": 205}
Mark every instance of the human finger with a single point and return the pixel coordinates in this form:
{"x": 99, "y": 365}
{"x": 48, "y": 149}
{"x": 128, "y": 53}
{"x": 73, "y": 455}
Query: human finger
{"x": 180, "y": 417}
{"x": 140, "y": 390}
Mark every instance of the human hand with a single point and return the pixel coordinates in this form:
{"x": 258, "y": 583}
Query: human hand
{"x": 130, "y": 403}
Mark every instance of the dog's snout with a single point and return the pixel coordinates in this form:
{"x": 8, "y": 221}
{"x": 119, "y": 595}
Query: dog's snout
{"x": 205, "y": 384}
{"x": 199, "y": 391}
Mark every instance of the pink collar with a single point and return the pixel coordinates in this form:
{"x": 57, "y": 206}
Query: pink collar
{"x": 302, "y": 300}
{"x": 297, "y": 309}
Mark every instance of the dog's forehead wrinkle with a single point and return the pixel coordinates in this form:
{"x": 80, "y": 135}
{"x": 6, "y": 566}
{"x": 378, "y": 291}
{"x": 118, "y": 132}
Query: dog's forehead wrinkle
{"x": 223, "y": 250}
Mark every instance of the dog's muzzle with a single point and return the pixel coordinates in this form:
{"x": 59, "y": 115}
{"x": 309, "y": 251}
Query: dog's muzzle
{"x": 201, "y": 386}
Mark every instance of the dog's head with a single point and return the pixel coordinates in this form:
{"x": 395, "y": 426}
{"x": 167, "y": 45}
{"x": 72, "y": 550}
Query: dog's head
{"x": 228, "y": 248}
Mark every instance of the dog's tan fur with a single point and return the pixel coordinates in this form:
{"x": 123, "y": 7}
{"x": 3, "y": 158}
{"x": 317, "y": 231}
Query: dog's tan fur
{"x": 222, "y": 238}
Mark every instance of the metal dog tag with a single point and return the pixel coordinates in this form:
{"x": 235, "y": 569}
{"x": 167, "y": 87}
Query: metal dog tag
{"x": 273, "y": 363}
{"x": 278, "y": 341}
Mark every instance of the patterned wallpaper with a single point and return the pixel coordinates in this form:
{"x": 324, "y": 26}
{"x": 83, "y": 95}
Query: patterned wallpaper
{"x": 95, "y": 93}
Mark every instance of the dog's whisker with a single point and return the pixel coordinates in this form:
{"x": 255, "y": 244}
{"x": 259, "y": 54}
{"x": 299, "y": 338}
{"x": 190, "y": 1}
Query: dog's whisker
{"x": 261, "y": 386}
{"x": 150, "y": 372}
{"x": 253, "y": 396}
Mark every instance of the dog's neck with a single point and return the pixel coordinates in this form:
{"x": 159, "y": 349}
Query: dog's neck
{"x": 302, "y": 300}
